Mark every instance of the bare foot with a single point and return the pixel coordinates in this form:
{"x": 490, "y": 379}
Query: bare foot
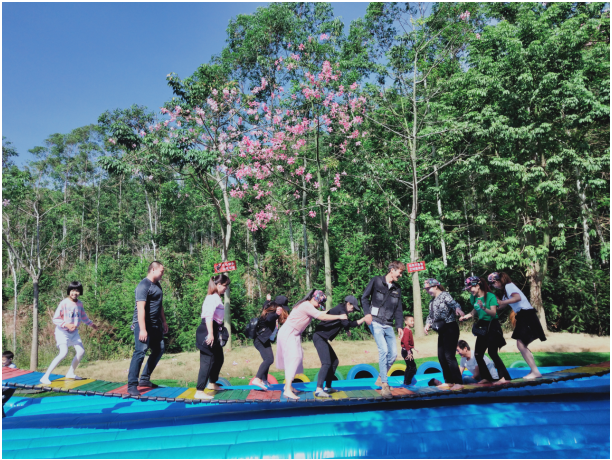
{"x": 295, "y": 390}
{"x": 290, "y": 395}
{"x": 484, "y": 381}
{"x": 456, "y": 387}
{"x": 500, "y": 381}
{"x": 259, "y": 383}
{"x": 444, "y": 386}
{"x": 214, "y": 386}
{"x": 532, "y": 376}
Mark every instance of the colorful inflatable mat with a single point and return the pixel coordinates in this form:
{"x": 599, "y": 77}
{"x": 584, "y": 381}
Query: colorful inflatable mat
{"x": 351, "y": 390}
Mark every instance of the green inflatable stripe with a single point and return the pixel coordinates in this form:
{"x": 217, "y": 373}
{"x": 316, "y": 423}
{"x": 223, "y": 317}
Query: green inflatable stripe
{"x": 93, "y": 386}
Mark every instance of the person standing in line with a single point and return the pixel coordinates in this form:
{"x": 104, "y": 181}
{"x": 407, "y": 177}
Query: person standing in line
{"x": 207, "y": 337}
{"x": 528, "y": 327}
{"x": 443, "y": 311}
{"x": 491, "y": 337}
{"x": 149, "y": 326}
{"x": 273, "y": 314}
{"x": 382, "y": 303}
{"x": 407, "y": 350}
{"x": 68, "y": 316}
{"x": 324, "y": 333}
{"x": 289, "y": 351}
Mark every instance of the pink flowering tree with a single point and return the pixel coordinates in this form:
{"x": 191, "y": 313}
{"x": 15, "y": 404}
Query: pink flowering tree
{"x": 302, "y": 137}
{"x": 198, "y": 136}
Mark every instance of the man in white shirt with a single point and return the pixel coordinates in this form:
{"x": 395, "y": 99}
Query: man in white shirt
{"x": 468, "y": 360}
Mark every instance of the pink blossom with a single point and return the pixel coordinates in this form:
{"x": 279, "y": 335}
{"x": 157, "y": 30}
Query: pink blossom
{"x": 112, "y": 141}
{"x": 301, "y": 46}
{"x": 308, "y": 177}
{"x": 5, "y": 203}
{"x": 324, "y": 37}
{"x": 464, "y": 16}
{"x": 354, "y": 86}
{"x": 478, "y": 36}
{"x": 312, "y": 214}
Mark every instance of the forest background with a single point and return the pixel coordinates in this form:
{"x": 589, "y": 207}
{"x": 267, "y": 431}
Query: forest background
{"x": 472, "y": 136}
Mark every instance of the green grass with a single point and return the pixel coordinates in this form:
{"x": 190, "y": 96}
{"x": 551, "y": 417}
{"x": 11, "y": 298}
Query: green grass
{"x": 542, "y": 359}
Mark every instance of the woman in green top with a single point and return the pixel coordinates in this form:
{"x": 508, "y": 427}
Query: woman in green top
{"x": 485, "y": 313}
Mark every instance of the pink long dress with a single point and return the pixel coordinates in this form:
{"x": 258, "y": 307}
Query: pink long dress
{"x": 289, "y": 351}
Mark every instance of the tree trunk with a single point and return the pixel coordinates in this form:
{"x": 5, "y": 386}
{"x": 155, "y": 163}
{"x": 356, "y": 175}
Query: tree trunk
{"x": 150, "y": 224}
{"x": 291, "y": 240}
{"x": 256, "y": 264}
{"x": 34, "y": 352}
{"x": 534, "y": 274}
{"x": 416, "y": 288}
{"x": 584, "y": 213}
{"x": 82, "y": 230}
{"x": 442, "y": 242}
{"x": 13, "y": 265}
{"x": 467, "y": 226}
{"x": 305, "y": 233}
{"x": 324, "y": 219}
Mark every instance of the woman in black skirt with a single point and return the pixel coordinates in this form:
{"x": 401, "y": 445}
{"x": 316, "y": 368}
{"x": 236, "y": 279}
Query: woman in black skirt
{"x": 528, "y": 327}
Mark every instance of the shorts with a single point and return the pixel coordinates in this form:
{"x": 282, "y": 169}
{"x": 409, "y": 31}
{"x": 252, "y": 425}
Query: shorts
{"x": 528, "y": 327}
{"x": 70, "y": 339}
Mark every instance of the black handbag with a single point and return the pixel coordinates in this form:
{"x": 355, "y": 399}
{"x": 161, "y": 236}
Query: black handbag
{"x": 479, "y": 330}
{"x": 438, "y": 325}
{"x": 223, "y": 335}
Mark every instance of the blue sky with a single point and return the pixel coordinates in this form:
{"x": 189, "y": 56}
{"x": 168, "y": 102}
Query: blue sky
{"x": 63, "y": 64}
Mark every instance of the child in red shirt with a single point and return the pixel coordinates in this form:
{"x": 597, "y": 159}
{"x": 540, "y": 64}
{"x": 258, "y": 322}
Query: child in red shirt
{"x": 407, "y": 347}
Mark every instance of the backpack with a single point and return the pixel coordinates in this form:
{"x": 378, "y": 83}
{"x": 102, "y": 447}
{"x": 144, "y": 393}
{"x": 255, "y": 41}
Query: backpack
{"x": 251, "y": 329}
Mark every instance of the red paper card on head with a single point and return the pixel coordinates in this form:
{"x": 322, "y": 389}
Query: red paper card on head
{"x": 415, "y": 266}
{"x": 225, "y": 267}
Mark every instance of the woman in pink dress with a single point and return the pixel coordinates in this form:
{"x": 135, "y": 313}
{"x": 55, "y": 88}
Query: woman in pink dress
{"x": 289, "y": 352}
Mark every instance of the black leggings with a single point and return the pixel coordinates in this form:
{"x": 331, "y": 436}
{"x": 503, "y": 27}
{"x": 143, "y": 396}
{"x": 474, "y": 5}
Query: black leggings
{"x": 329, "y": 361}
{"x": 411, "y": 368}
{"x": 489, "y": 341}
{"x": 211, "y": 361}
{"x": 447, "y": 348}
{"x": 265, "y": 350}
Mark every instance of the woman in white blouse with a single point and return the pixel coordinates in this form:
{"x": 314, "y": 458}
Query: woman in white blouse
{"x": 207, "y": 336}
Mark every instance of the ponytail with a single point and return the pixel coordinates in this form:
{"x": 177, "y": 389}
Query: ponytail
{"x": 216, "y": 280}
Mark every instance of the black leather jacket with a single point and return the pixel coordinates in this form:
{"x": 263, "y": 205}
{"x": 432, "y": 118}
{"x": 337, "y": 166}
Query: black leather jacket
{"x": 388, "y": 301}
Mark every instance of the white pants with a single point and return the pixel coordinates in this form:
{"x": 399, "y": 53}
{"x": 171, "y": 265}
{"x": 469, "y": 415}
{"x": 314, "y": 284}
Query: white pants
{"x": 65, "y": 339}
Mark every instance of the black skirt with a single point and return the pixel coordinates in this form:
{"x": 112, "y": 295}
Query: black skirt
{"x": 528, "y": 327}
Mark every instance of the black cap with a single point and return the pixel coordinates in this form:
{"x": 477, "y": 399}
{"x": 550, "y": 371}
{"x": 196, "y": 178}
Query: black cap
{"x": 282, "y": 300}
{"x": 353, "y": 301}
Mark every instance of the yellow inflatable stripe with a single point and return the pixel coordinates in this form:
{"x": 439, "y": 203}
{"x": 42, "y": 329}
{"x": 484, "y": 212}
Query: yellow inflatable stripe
{"x": 339, "y": 395}
{"x": 190, "y": 393}
{"x": 66, "y": 384}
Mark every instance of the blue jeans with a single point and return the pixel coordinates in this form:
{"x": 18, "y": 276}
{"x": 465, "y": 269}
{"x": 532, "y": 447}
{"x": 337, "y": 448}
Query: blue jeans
{"x": 155, "y": 341}
{"x": 387, "y": 348}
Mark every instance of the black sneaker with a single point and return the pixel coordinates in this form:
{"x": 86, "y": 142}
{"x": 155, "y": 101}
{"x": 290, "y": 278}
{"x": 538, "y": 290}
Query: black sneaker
{"x": 133, "y": 391}
{"x": 147, "y": 383}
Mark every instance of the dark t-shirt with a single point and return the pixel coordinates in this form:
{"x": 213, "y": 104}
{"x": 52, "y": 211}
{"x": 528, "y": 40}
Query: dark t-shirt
{"x": 153, "y": 296}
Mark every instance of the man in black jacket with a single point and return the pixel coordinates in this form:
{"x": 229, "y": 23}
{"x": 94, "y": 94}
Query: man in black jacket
{"x": 325, "y": 332}
{"x": 382, "y": 303}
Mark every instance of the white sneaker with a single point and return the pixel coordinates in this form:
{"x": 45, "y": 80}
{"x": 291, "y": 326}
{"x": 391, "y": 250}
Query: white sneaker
{"x": 45, "y": 381}
{"x": 202, "y": 395}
